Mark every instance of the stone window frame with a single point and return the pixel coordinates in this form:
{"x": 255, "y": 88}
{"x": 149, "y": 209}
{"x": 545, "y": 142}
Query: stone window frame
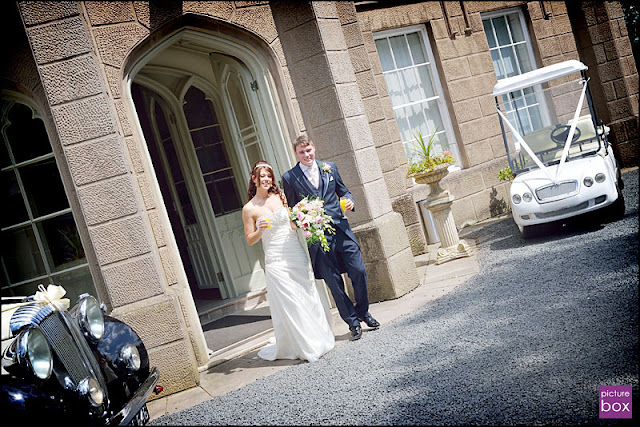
{"x": 51, "y": 275}
{"x": 440, "y": 94}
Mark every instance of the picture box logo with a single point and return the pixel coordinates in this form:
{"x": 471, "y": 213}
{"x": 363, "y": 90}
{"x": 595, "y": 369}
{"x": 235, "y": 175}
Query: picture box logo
{"x": 615, "y": 401}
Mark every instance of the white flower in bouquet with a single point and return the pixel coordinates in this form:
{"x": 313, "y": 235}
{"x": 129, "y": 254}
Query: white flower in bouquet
{"x": 308, "y": 215}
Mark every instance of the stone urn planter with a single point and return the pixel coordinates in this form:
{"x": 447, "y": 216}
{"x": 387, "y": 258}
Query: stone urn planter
{"x": 432, "y": 178}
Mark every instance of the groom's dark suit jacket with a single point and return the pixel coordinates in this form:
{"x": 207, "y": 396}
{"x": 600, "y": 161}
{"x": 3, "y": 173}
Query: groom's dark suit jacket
{"x": 331, "y": 188}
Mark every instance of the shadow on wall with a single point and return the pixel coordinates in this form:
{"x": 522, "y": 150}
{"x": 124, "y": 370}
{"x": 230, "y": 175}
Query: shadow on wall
{"x": 497, "y": 206}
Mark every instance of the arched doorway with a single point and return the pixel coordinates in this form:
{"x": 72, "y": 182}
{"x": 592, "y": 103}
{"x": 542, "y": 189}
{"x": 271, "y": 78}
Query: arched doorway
{"x": 207, "y": 114}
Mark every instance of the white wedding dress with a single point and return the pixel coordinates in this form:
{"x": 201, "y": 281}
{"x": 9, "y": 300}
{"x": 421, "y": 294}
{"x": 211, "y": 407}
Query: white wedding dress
{"x": 299, "y": 316}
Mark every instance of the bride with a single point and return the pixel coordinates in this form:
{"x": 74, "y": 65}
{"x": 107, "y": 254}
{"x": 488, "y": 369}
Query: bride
{"x": 300, "y": 322}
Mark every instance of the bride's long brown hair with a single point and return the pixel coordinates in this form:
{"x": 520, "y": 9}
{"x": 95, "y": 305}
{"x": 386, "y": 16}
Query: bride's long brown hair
{"x": 255, "y": 173}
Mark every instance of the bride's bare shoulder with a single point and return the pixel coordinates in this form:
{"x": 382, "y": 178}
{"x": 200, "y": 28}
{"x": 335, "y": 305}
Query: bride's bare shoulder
{"x": 249, "y": 209}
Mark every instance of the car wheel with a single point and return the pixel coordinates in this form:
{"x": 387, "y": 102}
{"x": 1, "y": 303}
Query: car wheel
{"x": 615, "y": 211}
{"x": 528, "y": 231}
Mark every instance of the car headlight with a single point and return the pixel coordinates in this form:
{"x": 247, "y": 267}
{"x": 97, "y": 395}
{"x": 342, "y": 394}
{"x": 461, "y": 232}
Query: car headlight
{"x": 91, "y": 388}
{"x": 600, "y": 177}
{"x": 91, "y": 317}
{"x": 527, "y": 197}
{"x": 130, "y": 356}
{"x": 588, "y": 181}
{"x": 516, "y": 198}
{"x": 33, "y": 353}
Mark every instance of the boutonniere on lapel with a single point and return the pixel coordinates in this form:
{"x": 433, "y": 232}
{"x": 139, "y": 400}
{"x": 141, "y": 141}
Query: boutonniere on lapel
{"x": 326, "y": 168}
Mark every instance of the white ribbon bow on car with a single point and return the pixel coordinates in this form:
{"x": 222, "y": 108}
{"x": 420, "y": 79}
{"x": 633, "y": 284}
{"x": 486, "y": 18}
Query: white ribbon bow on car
{"x": 53, "y": 295}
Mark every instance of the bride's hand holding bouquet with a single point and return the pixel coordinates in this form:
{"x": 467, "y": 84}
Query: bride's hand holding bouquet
{"x": 308, "y": 215}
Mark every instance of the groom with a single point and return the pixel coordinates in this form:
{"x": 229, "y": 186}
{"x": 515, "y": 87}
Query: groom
{"x": 321, "y": 179}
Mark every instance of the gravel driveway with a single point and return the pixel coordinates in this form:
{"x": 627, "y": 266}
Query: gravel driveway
{"x": 528, "y": 340}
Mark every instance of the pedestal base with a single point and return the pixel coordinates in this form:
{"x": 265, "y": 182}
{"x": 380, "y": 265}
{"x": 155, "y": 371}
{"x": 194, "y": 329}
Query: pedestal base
{"x": 460, "y": 250}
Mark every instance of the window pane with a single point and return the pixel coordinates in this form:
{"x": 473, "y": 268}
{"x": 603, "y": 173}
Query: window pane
{"x": 382, "y": 46}
{"x": 536, "y": 119}
{"x": 415, "y": 117}
{"x": 20, "y": 255}
{"x": 172, "y": 159}
{"x": 239, "y": 103}
{"x": 502, "y": 32}
{"x": 61, "y": 241}
{"x": 516, "y": 28}
{"x": 410, "y": 85}
{"x": 434, "y": 120}
{"x": 161, "y": 121}
{"x": 4, "y": 155}
{"x": 75, "y": 282}
{"x": 509, "y": 61}
{"x": 523, "y": 58}
{"x": 253, "y": 153}
{"x": 198, "y": 110}
{"x": 400, "y": 51}
{"x": 185, "y": 203}
{"x": 415, "y": 44}
{"x": 497, "y": 64}
{"x": 395, "y": 90}
{"x": 27, "y": 136}
{"x": 212, "y": 158}
{"x": 44, "y": 188}
{"x": 488, "y": 30}
{"x": 425, "y": 81}
{"x": 13, "y": 211}
{"x": 403, "y": 124}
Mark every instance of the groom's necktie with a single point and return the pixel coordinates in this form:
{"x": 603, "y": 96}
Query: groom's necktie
{"x": 312, "y": 174}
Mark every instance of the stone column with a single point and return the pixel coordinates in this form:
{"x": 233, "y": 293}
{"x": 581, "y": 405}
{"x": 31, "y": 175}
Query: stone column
{"x": 121, "y": 251}
{"x": 333, "y": 115}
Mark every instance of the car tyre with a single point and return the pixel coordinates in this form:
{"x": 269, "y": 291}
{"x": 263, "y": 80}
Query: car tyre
{"x": 615, "y": 211}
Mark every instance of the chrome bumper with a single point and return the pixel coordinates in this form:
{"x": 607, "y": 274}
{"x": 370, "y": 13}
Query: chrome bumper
{"x": 137, "y": 401}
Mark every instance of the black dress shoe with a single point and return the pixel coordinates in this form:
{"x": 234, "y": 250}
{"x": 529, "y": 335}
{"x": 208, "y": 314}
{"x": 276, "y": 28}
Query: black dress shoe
{"x": 356, "y": 332}
{"x": 370, "y": 321}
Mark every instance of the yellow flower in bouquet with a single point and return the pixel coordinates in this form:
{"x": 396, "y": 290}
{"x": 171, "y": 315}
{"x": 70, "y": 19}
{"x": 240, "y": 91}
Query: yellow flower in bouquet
{"x": 308, "y": 215}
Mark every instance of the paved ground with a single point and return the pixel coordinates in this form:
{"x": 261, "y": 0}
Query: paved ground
{"x": 526, "y": 340}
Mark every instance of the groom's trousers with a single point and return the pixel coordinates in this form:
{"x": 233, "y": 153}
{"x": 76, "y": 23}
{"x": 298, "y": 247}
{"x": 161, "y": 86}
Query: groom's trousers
{"x": 344, "y": 255}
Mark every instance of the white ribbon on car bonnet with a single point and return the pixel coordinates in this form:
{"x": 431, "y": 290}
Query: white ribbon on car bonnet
{"x": 53, "y": 295}
{"x": 574, "y": 124}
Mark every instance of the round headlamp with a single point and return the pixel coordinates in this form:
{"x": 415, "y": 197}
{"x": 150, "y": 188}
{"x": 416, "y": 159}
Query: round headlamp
{"x": 600, "y": 177}
{"x": 91, "y": 388}
{"x": 527, "y": 197}
{"x": 588, "y": 181}
{"x": 35, "y": 347}
{"x": 516, "y": 198}
{"x": 130, "y": 356}
{"x": 91, "y": 317}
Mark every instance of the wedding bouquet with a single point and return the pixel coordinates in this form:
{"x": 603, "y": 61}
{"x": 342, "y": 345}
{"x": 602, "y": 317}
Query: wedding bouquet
{"x": 308, "y": 214}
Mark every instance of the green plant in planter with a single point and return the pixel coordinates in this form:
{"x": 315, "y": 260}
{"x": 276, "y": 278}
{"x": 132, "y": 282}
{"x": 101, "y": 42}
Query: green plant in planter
{"x": 426, "y": 160}
{"x": 506, "y": 174}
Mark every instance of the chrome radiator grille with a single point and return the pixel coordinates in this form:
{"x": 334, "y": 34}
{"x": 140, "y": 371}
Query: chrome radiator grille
{"x": 553, "y": 191}
{"x": 60, "y": 339}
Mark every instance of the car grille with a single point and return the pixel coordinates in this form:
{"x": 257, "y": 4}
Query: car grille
{"x": 63, "y": 344}
{"x": 553, "y": 191}
{"x": 544, "y": 215}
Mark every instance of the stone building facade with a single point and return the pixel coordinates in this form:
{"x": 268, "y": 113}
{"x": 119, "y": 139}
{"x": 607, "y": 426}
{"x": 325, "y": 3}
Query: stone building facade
{"x": 146, "y": 116}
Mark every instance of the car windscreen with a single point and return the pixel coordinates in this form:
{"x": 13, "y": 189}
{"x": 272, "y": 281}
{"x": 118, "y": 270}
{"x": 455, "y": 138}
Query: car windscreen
{"x": 542, "y": 116}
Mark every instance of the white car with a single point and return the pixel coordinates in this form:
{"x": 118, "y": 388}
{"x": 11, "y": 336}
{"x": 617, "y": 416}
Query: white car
{"x": 562, "y": 161}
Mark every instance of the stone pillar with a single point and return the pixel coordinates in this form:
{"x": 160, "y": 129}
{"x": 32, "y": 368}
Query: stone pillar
{"x": 334, "y": 117}
{"x": 382, "y": 121}
{"x": 604, "y": 46}
{"x": 121, "y": 250}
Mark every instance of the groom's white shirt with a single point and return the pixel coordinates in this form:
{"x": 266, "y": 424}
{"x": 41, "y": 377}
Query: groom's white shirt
{"x": 312, "y": 173}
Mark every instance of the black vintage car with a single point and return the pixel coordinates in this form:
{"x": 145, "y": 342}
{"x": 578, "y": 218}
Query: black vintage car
{"x": 73, "y": 365}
